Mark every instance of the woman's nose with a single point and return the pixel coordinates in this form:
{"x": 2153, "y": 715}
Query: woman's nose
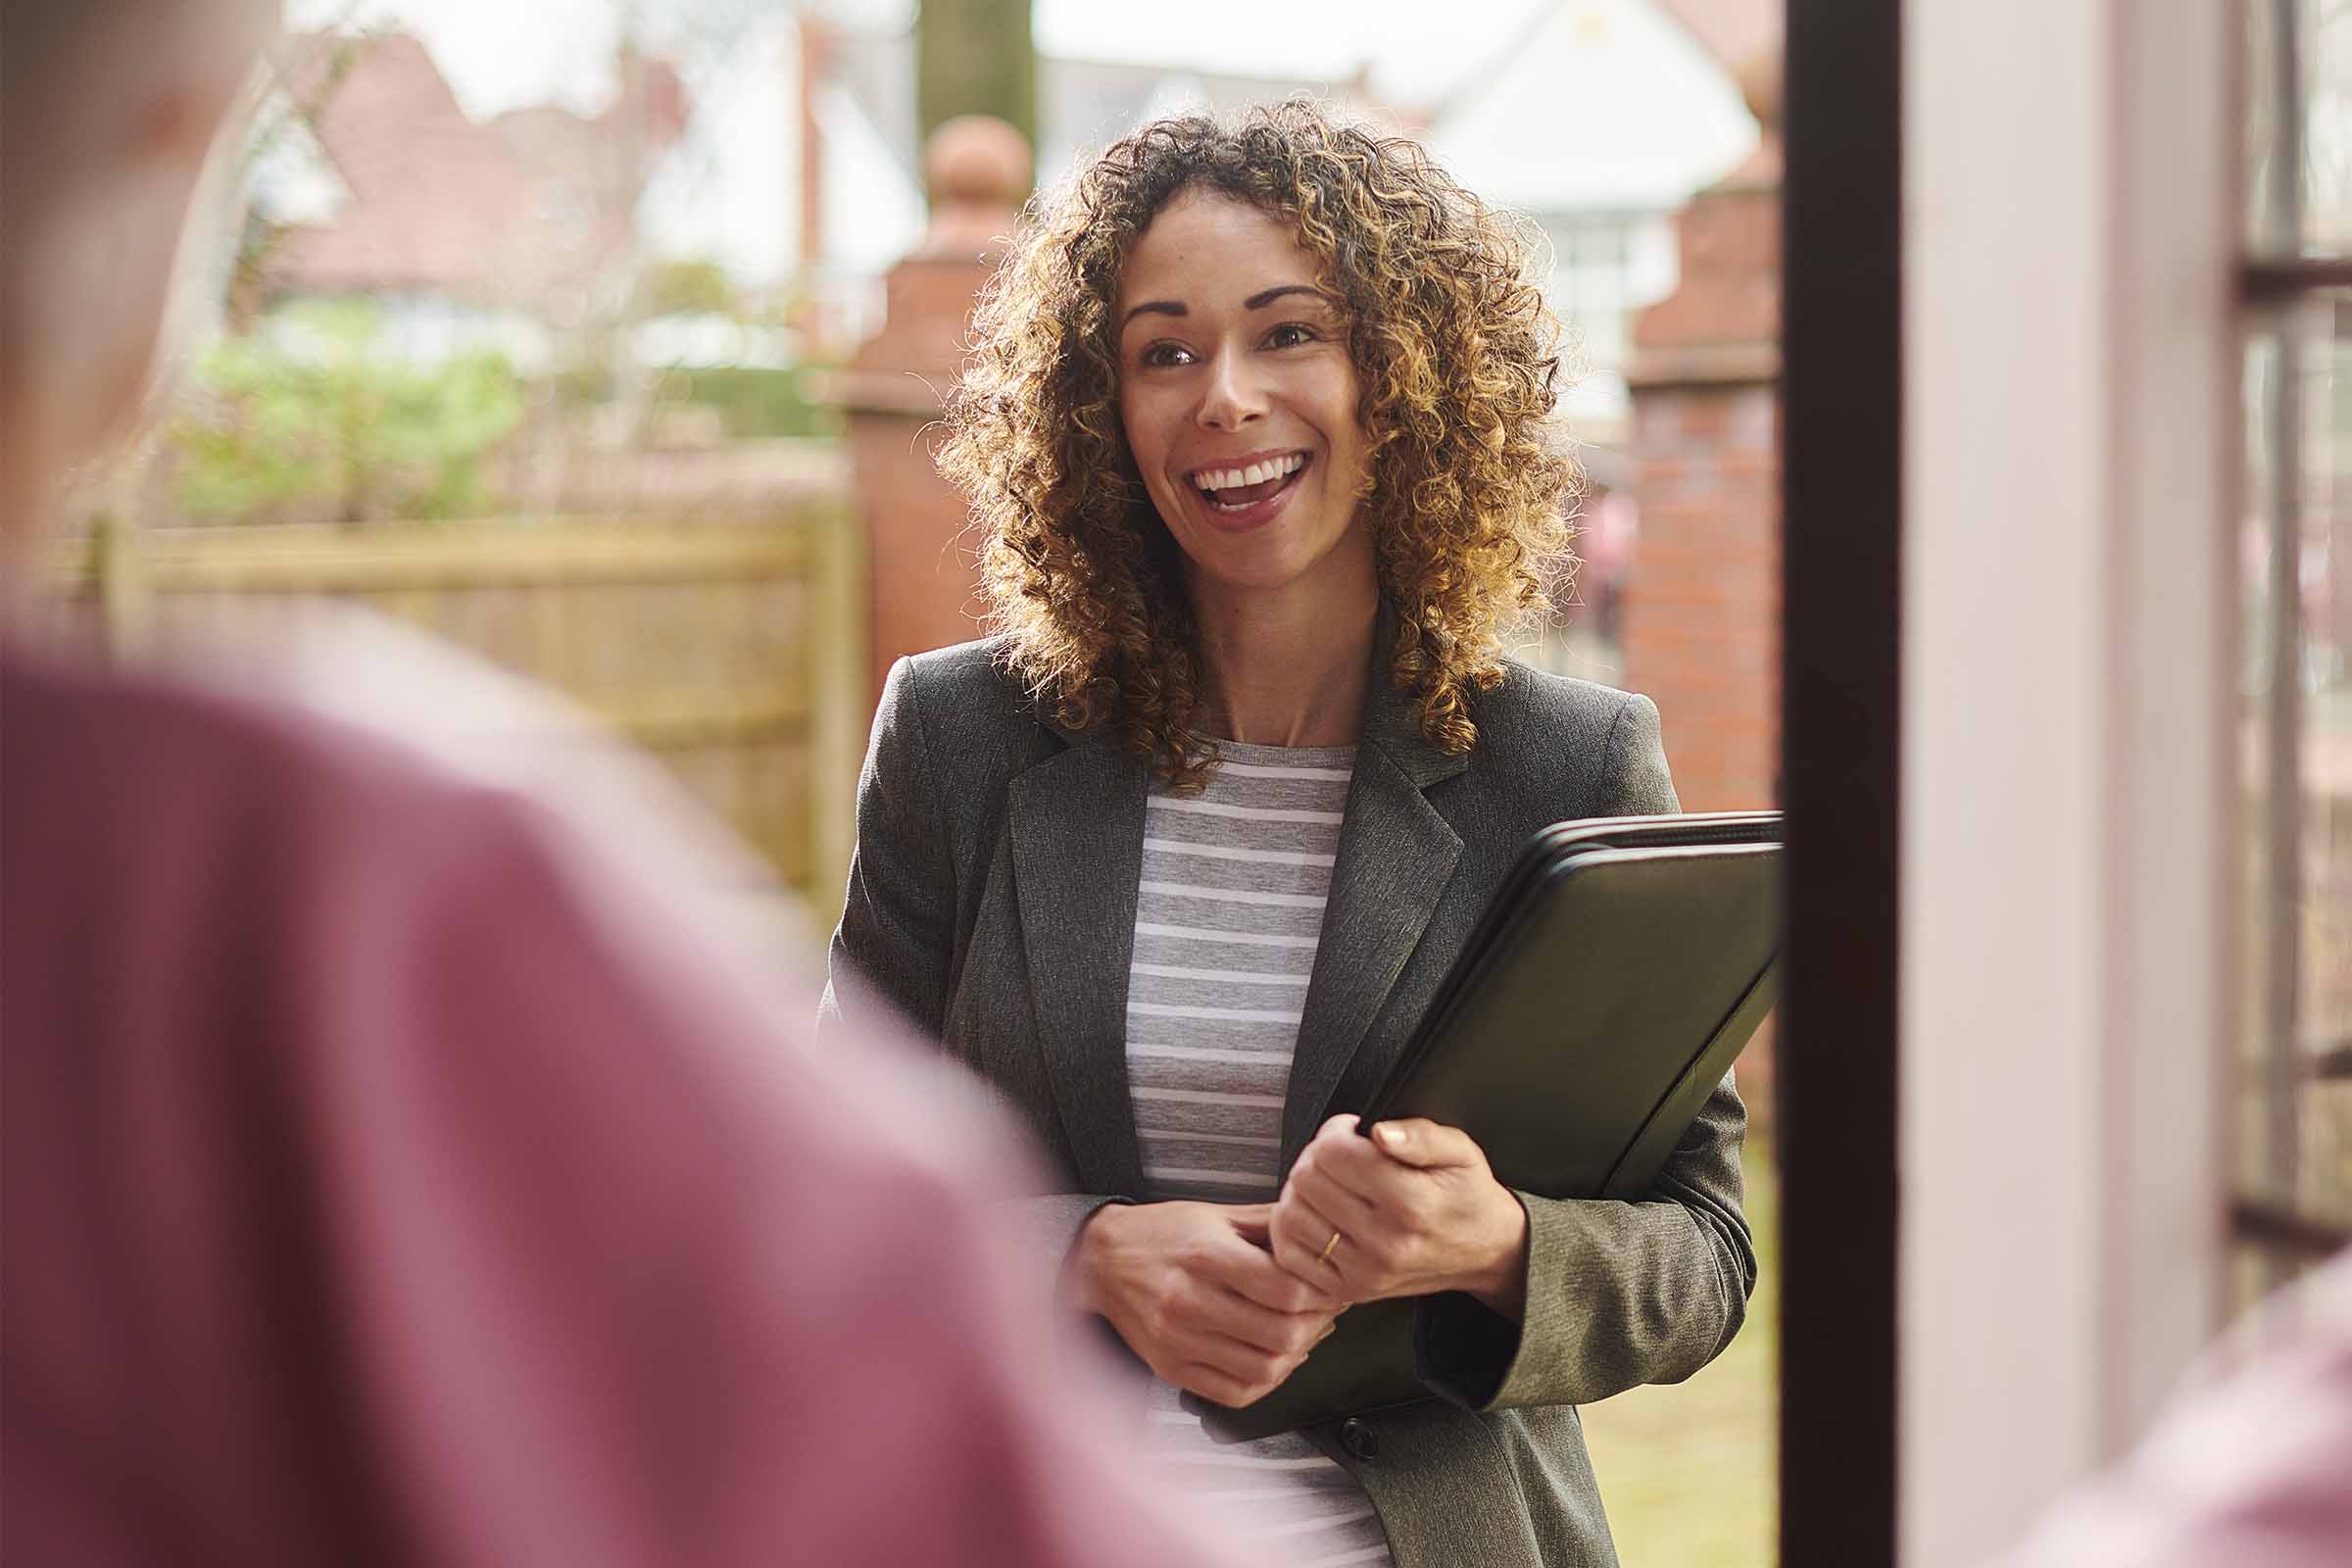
{"x": 1232, "y": 398}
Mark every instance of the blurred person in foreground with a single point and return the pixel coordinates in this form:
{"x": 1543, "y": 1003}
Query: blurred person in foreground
{"x": 2250, "y": 1467}
{"x": 1258, "y": 433}
{"x": 387, "y": 1178}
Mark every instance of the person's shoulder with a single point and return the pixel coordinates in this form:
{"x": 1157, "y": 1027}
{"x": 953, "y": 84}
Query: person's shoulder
{"x": 195, "y": 786}
{"x": 974, "y": 709}
{"x": 201, "y": 817}
{"x": 179, "y": 751}
{"x": 975, "y": 674}
{"x": 1537, "y": 712}
{"x": 186, "y": 822}
{"x": 1553, "y": 747}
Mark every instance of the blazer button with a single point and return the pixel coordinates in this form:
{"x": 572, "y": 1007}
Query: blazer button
{"x": 1358, "y": 1438}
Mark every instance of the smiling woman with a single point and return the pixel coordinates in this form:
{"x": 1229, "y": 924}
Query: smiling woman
{"x": 1204, "y": 298}
{"x": 1239, "y": 408}
{"x": 1258, "y": 433}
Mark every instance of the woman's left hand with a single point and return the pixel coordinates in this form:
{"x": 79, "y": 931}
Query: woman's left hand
{"x": 1416, "y": 1210}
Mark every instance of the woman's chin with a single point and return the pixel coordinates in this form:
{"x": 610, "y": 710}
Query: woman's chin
{"x": 1301, "y": 547}
{"x": 1284, "y": 567}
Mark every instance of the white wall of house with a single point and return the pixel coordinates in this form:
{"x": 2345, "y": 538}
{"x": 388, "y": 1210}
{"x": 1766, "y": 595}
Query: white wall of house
{"x": 1601, "y": 119}
{"x": 1603, "y": 105}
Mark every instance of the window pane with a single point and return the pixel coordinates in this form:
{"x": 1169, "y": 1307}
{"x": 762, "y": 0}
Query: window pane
{"x": 2298, "y": 186}
{"x": 2325, "y": 979}
{"x": 2293, "y": 1101}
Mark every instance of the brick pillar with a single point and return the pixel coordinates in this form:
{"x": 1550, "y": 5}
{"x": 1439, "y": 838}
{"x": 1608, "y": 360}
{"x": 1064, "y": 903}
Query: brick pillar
{"x": 1702, "y": 603}
{"x": 925, "y": 586}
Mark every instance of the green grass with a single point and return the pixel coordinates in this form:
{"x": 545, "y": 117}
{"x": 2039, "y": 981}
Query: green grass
{"x": 1688, "y": 1471}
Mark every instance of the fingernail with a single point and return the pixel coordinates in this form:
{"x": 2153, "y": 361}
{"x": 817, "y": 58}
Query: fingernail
{"x": 1390, "y": 1135}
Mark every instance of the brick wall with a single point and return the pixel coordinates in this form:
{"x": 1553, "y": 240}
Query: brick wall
{"x": 1702, "y": 605}
{"x": 920, "y": 547}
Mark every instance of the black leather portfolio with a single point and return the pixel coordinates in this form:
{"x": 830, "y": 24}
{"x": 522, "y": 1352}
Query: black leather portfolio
{"x": 1605, "y": 991}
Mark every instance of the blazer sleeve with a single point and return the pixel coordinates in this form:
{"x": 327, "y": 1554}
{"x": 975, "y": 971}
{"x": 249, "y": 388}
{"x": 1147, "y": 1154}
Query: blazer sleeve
{"x": 1618, "y": 1294}
{"x": 897, "y": 939}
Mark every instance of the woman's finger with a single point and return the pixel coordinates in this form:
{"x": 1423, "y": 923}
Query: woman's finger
{"x": 1215, "y": 1385}
{"x": 1261, "y": 1277}
{"x": 1356, "y": 1163}
{"x": 1244, "y": 1363}
{"x": 1426, "y": 1145}
{"x": 1303, "y": 1245}
{"x": 1228, "y": 1312}
{"x": 1350, "y": 1210}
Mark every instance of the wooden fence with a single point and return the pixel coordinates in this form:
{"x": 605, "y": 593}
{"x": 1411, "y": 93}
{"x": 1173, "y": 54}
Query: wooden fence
{"x": 732, "y": 646}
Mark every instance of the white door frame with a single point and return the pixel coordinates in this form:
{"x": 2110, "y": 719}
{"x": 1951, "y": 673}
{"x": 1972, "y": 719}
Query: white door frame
{"x": 2070, "y": 427}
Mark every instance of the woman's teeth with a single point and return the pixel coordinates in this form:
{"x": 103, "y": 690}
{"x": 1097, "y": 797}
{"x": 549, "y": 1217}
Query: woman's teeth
{"x": 1211, "y": 480}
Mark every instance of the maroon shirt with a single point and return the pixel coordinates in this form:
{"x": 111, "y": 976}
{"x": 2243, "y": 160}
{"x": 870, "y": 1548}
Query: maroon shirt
{"x": 2251, "y": 1467}
{"x": 376, "y": 1191}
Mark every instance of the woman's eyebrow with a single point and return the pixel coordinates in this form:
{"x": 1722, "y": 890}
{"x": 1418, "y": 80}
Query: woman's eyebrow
{"x": 1260, "y": 300}
{"x": 1256, "y": 302}
{"x": 1155, "y": 307}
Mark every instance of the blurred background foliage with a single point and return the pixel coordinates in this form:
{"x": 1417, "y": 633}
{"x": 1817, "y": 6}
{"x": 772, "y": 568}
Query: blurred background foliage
{"x": 754, "y": 402}
{"x": 317, "y": 417}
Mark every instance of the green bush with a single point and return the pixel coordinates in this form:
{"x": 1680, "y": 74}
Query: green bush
{"x": 756, "y": 402}
{"x": 321, "y": 421}
{"x": 686, "y": 288}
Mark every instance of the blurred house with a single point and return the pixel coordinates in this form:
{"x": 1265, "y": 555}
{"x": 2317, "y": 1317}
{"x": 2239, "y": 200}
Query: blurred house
{"x": 1598, "y": 120}
{"x": 868, "y": 209}
{"x": 1601, "y": 123}
{"x": 799, "y": 169}
{"x": 506, "y": 231}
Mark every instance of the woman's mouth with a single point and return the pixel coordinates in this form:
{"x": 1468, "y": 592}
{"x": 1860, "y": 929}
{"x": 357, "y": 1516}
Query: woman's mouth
{"x": 1244, "y": 494}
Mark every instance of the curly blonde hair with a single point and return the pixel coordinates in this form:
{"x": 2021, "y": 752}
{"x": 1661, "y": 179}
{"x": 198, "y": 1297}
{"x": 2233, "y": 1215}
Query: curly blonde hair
{"x": 1458, "y": 359}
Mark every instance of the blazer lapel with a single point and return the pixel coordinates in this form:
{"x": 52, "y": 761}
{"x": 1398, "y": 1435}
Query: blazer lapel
{"x": 1395, "y": 856}
{"x": 1077, "y": 827}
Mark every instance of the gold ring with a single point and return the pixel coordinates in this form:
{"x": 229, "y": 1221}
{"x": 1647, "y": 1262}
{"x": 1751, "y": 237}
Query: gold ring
{"x": 1324, "y": 1256}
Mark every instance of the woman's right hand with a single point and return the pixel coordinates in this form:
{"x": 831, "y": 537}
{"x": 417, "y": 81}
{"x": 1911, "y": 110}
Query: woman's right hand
{"x": 1194, "y": 1290}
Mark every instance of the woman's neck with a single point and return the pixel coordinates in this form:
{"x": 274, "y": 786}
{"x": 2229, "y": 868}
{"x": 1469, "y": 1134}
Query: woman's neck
{"x": 1284, "y": 667}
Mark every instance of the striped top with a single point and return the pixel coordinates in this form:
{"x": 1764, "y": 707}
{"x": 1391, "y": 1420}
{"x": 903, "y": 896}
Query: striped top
{"x": 1228, "y": 915}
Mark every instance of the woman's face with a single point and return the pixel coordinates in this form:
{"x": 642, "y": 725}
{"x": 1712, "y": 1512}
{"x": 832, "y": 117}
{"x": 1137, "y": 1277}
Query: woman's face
{"x": 1239, "y": 398}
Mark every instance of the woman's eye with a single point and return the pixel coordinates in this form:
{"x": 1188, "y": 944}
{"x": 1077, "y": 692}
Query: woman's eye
{"x": 1163, "y": 355}
{"x": 1290, "y": 335}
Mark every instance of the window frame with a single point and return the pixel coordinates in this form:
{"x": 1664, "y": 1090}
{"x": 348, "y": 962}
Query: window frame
{"x": 1841, "y": 657}
{"x": 2276, "y": 274}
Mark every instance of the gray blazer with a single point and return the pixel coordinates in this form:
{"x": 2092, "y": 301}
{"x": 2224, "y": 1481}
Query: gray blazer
{"x": 992, "y": 899}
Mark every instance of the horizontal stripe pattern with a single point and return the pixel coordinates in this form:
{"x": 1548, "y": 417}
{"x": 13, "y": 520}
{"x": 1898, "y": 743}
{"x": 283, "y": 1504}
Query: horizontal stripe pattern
{"x": 1156, "y": 1009}
{"x": 1221, "y": 939}
{"x": 1235, "y": 977}
{"x": 1281, "y": 1495}
{"x": 1228, "y": 766}
{"x": 1229, "y": 913}
{"x": 1202, "y": 1096}
{"x": 1196, "y": 890}
{"x": 1244, "y": 814}
{"x": 1202, "y": 850}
